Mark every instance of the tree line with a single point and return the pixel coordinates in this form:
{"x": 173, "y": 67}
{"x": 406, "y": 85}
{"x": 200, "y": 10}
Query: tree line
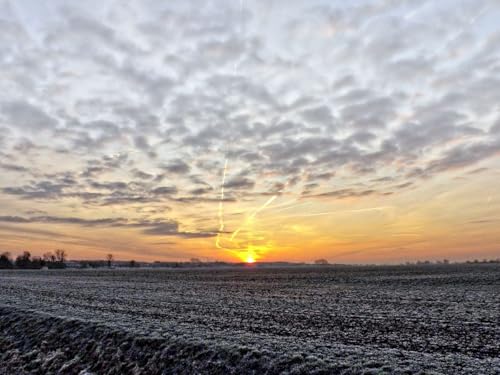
{"x": 55, "y": 260}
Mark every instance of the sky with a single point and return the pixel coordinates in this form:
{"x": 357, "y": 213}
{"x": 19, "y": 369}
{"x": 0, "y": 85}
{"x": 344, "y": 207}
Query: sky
{"x": 352, "y": 131}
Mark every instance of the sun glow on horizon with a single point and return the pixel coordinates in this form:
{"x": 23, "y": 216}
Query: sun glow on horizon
{"x": 249, "y": 255}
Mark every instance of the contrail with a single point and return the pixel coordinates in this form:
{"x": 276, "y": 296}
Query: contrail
{"x": 269, "y": 201}
{"x": 381, "y": 208}
{"x": 287, "y": 206}
{"x": 470, "y": 22}
{"x": 221, "y": 208}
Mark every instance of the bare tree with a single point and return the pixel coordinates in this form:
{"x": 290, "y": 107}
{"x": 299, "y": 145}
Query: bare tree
{"x": 109, "y": 259}
{"x": 60, "y": 255}
{"x": 49, "y": 257}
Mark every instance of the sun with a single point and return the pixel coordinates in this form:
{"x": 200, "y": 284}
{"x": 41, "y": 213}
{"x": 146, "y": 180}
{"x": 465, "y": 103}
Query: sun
{"x": 250, "y": 255}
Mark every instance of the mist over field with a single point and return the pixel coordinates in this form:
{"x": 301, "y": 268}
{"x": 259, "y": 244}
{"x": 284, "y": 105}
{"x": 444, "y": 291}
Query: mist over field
{"x": 249, "y": 187}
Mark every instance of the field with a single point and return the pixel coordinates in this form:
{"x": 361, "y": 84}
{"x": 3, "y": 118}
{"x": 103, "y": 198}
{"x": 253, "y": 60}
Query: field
{"x": 391, "y": 319}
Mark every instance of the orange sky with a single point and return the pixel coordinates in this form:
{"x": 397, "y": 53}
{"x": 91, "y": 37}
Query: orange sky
{"x": 453, "y": 217}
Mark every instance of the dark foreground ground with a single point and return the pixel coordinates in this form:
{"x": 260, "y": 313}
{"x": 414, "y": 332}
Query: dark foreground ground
{"x": 425, "y": 319}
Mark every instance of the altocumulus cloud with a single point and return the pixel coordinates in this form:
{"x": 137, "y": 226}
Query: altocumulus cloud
{"x": 148, "y": 227}
{"x": 139, "y": 107}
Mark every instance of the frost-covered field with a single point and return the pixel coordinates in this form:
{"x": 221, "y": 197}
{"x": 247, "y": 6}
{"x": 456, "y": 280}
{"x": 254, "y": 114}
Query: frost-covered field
{"x": 441, "y": 319}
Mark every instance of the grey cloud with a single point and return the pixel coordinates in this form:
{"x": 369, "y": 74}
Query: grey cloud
{"x": 141, "y": 142}
{"x": 115, "y": 185}
{"x": 106, "y": 163}
{"x": 383, "y": 179}
{"x": 320, "y": 176}
{"x": 94, "y": 134}
{"x": 108, "y": 193}
{"x": 344, "y": 82}
{"x": 24, "y": 115}
{"x": 495, "y": 129}
{"x": 14, "y": 219}
{"x": 463, "y": 156}
{"x": 362, "y": 137}
{"x": 4, "y": 132}
{"x": 411, "y": 68}
{"x": 200, "y": 199}
{"x": 163, "y": 229}
{"x": 149, "y": 227}
{"x": 142, "y": 175}
{"x": 87, "y": 27}
{"x": 13, "y": 167}
{"x": 432, "y": 129}
{"x": 319, "y": 115}
{"x": 201, "y": 191}
{"x": 240, "y": 183}
{"x": 32, "y": 231}
{"x": 196, "y": 179}
{"x": 92, "y": 171}
{"x": 309, "y": 188}
{"x": 404, "y": 185}
{"x": 188, "y": 235}
{"x": 41, "y": 189}
{"x": 154, "y": 87}
{"x": 143, "y": 119}
{"x": 177, "y": 167}
{"x": 170, "y": 228}
{"x": 25, "y": 146}
{"x": 63, "y": 220}
{"x": 164, "y": 190}
{"x": 79, "y": 221}
{"x": 356, "y": 95}
{"x": 344, "y": 193}
{"x": 374, "y": 113}
{"x": 289, "y": 148}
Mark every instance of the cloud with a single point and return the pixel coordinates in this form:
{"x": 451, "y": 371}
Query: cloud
{"x": 460, "y": 157}
{"x": 99, "y": 113}
{"x": 240, "y": 183}
{"x": 163, "y": 229}
{"x": 64, "y": 220}
{"x": 321, "y": 176}
{"x": 177, "y": 166}
{"x": 142, "y": 175}
{"x": 201, "y": 191}
{"x": 25, "y": 116}
{"x": 115, "y": 185}
{"x": 41, "y": 189}
{"x": 141, "y": 142}
{"x": 13, "y": 167}
{"x": 14, "y": 219}
{"x": 148, "y": 227}
{"x": 373, "y": 113}
{"x": 165, "y": 190}
{"x": 319, "y": 115}
{"x": 343, "y": 194}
